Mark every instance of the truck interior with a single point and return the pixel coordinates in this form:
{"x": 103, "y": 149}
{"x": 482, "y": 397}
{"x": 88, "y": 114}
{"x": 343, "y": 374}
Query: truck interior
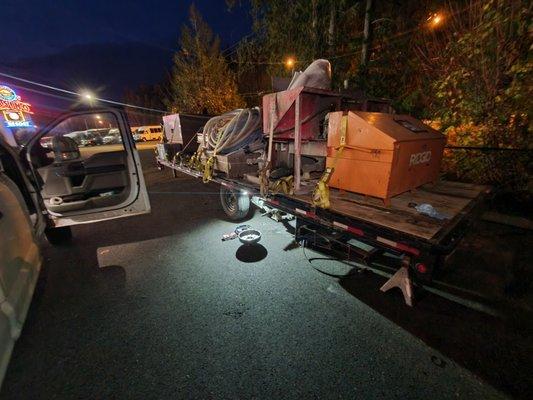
{"x": 76, "y": 170}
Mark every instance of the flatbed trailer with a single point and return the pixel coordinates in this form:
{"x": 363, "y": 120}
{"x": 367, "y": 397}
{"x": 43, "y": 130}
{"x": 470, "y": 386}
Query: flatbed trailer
{"x": 365, "y": 228}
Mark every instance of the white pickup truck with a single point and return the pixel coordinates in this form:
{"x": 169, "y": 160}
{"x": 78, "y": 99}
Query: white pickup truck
{"x": 47, "y": 184}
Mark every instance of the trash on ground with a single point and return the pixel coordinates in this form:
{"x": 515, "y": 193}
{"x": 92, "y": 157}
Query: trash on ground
{"x": 235, "y": 233}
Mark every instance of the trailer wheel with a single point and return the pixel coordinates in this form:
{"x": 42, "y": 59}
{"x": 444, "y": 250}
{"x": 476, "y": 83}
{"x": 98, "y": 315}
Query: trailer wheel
{"x": 235, "y": 204}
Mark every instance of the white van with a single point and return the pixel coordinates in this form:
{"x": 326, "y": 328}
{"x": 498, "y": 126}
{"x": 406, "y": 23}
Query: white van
{"x": 145, "y": 133}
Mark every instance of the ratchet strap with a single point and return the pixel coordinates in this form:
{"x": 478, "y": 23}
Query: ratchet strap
{"x": 284, "y": 185}
{"x": 208, "y": 167}
{"x": 195, "y": 162}
{"x": 263, "y": 180}
{"x": 321, "y": 192}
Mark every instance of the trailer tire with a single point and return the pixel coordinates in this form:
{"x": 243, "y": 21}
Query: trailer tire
{"x": 235, "y": 204}
{"x": 58, "y": 236}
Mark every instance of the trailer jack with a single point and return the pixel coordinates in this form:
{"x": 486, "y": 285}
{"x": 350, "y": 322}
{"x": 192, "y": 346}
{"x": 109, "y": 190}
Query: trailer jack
{"x": 402, "y": 280}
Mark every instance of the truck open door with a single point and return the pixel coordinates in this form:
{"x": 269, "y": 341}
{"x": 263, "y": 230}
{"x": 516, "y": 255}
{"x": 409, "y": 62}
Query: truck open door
{"x": 87, "y": 169}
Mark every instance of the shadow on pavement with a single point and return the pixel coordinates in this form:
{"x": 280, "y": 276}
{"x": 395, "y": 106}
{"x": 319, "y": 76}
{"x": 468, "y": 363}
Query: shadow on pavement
{"x": 497, "y": 350}
{"x": 250, "y": 253}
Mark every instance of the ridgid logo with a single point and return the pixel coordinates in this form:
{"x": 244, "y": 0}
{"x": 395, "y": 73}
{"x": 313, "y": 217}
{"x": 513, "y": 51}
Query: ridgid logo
{"x": 420, "y": 158}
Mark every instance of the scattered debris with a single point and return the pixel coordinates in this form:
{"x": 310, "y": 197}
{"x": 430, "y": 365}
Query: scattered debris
{"x": 235, "y": 233}
{"x": 429, "y": 210}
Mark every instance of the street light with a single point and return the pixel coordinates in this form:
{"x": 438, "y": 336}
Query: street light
{"x": 435, "y": 20}
{"x": 87, "y": 96}
{"x": 289, "y": 63}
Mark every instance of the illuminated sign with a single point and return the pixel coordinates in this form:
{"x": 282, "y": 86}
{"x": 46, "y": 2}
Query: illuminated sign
{"x": 16, "y": 119}
{"x": 10, "y": 101}
{"x": 8, "y": 94}
{"x": 14, "y": 110}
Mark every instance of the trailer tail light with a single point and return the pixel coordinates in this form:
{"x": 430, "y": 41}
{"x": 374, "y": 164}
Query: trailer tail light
{"x": 420, "y": 267}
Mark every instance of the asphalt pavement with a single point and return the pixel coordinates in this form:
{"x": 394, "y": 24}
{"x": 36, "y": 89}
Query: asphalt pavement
{"x": 158, "y": 307}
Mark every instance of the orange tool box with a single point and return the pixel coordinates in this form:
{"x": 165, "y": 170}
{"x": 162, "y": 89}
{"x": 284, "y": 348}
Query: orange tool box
{"x": 384, "y": 154}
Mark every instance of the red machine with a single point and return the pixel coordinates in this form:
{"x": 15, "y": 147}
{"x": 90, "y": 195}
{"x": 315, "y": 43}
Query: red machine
{"x": 314, "y": 105}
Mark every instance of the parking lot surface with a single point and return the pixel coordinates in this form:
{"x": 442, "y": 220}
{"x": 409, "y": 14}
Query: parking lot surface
{"x": 158, "y": 307}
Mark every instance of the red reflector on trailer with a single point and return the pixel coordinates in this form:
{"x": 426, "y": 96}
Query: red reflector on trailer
{"x": 421, "y": 268}
{"x": 350, "y": 229}
{"x": 408, "y": 249}
{"x": 399, "y": 246}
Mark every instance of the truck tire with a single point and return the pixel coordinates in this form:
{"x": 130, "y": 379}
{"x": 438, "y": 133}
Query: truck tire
{"x": 235, "y": 204}
{"x": 58, "y": 236}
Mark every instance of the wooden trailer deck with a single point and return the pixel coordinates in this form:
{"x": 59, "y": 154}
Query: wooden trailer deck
{"x": 453, "y": 199}
{"x": 456, "y": 200}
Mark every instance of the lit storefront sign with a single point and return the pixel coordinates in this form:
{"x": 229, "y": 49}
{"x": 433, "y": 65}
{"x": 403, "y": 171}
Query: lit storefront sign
{"x": 15, "y": 112}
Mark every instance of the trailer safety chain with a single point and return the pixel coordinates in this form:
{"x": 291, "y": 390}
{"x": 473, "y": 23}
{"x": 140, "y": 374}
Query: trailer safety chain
{"x": 321, "y": 192}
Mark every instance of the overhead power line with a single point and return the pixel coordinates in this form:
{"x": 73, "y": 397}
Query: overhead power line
{"x": 50, "y": 87}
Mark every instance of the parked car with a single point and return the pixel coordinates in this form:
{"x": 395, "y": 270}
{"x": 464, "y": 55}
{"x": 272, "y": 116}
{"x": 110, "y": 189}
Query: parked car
{"x": 90, "y": 139}
{"x": 43, "y": 192}
{"x": 77, "y": 136}
{"x": 112, "y": 137}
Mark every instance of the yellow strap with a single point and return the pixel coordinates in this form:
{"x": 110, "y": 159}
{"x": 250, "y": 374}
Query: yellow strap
{"x": 284, "y": 185}
{"x": 263, "y": 180}
{"x": 208, "y": 167}
{"x": 321, "y": 192}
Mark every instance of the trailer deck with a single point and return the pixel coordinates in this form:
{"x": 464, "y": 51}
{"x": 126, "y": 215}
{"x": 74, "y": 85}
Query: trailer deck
{"x": 452, "y": 199}
{"x": 455, "y": 200}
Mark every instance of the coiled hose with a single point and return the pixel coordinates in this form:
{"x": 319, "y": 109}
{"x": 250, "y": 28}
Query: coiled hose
{"x": 233, "y": 130}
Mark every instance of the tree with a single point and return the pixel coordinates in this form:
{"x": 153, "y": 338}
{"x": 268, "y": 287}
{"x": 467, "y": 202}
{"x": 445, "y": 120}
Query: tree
{"x": 482, "y": 73}
{"x": 201, "y": 79}
{"x": 482, "y": 86}
{"x": 302, "y": 29}
{"x": 148, "y": 96}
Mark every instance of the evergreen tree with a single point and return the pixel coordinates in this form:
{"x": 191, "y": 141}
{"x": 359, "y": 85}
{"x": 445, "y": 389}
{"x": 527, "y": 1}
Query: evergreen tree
{"x": 201, "y": 80}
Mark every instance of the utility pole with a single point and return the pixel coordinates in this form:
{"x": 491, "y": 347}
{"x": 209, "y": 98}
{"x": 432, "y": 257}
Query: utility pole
{"x": 366, "y": 38}
{"x": 331, "y": 28}
{"x": 314, "y": 27}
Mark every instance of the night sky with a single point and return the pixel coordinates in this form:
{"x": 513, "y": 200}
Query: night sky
{"x": 108, "y": 45}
